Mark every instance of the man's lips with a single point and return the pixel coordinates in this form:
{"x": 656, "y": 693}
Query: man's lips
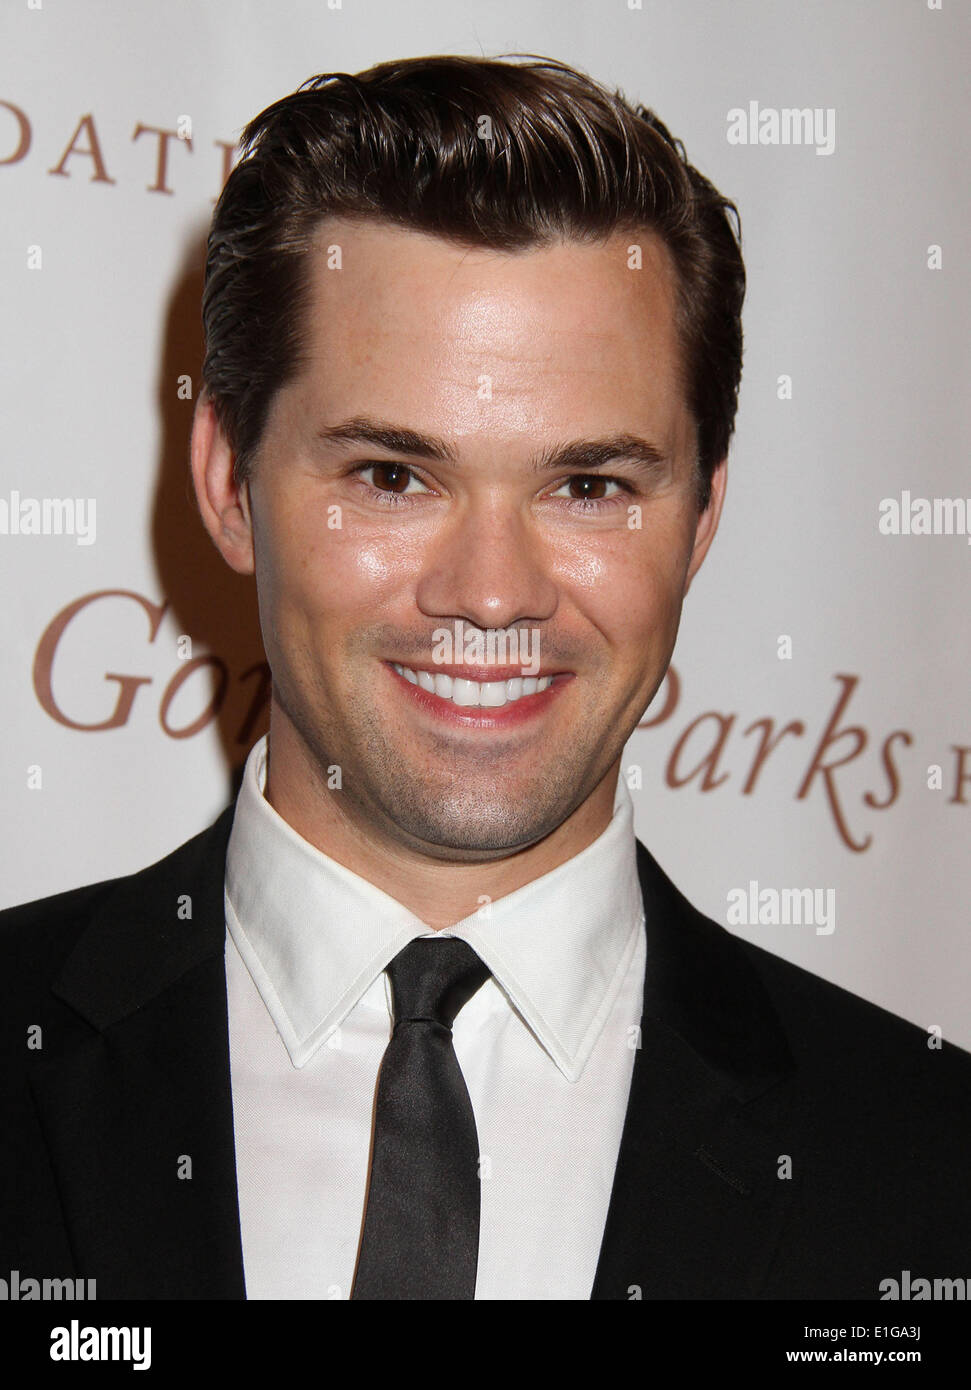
{"x": 480, "y": 673}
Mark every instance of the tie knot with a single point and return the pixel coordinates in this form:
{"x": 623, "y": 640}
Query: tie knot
{"x": 433, "y": 978}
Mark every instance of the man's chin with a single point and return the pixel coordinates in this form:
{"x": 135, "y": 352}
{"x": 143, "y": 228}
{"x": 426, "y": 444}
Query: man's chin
{"x": 476, "y": 832}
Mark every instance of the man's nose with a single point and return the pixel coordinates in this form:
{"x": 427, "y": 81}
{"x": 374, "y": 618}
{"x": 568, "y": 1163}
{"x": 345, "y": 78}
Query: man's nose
{"x": 488, "y": 566}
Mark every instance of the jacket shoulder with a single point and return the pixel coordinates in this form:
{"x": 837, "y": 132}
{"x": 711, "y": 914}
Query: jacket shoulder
{"x": 828, "y": 1023}
{"x": 839, "y": 1041}
{"x": 43, "y": 932}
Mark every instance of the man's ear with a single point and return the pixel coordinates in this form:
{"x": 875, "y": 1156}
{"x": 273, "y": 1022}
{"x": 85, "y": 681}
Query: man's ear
{"x": 708, "y": 521}
{"x": 224, "y": 505}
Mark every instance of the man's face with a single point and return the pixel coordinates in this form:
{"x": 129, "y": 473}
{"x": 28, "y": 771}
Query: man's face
{"x": 365, "y": 553}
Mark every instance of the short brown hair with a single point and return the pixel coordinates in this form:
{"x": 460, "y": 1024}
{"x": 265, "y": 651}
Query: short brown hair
{"x": 407, "y": 143}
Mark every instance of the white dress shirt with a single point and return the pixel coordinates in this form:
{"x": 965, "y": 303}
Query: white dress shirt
{"x": 546, "y": 1046}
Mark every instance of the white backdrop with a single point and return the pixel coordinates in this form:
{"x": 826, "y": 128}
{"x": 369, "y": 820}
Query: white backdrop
{"x": 854, "y": 391}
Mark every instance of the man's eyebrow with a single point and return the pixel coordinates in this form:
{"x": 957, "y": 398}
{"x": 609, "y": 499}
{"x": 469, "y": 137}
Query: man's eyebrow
{"x": 587, "y": 454}
{"x": 362, "y": 430}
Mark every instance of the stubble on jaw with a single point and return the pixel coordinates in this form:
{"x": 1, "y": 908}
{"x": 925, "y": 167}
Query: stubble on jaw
{"x": 466, "y": 814}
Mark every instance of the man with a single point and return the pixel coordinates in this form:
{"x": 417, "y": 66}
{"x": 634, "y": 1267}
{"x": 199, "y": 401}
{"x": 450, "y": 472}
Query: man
{"x": 418, "y": 1017}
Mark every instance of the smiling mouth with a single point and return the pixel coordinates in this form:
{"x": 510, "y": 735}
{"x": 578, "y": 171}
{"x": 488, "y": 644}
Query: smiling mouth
{"x": 476, "y": 694}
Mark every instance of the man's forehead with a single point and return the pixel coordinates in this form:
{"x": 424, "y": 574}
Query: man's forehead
{"x": 569, "y": 307}
{"x": 562, "y": 340}
{"x": 352, "y": 254}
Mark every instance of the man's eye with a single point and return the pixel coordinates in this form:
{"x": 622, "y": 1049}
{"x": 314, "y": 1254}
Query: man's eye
{"x": 390, "y": 480}
{"x": 591, "y": 489}
{"x": 591, "y": 486}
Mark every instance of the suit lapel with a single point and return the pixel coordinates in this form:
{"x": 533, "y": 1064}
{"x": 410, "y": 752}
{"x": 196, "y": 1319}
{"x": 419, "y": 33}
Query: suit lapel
{"x": 135, "y": 1103}
{"x": 697, "y": 1202}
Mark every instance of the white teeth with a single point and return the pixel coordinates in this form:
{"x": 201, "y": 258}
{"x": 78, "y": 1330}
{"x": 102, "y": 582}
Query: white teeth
{"x": 464, "y": 692}
{"x": 487, "y": 694}
{"x": 492, "y": 693}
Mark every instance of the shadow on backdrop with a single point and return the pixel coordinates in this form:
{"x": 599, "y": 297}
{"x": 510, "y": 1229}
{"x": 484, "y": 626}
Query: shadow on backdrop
{"x": 226, "y": 681}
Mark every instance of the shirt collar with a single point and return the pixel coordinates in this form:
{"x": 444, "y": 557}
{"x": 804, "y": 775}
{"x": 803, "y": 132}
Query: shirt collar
{"x": 315, "y": 936}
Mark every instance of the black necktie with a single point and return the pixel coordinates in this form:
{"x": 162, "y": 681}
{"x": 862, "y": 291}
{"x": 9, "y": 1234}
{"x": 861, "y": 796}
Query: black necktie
{"x": 421, "y": 1225}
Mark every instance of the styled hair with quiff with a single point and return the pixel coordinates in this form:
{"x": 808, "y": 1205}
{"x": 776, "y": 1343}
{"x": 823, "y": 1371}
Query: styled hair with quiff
{"x": 481, "y": 152}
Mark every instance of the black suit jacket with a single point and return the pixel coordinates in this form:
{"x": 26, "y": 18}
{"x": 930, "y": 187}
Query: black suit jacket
{"x": 784, "y": 1139}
